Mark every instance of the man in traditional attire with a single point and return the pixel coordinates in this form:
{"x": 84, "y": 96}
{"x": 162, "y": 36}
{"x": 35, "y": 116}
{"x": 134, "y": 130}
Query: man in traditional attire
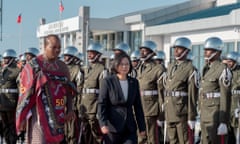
{"x": 46, "y": 95}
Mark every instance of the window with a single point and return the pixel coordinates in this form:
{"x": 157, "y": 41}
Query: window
{"x": 104, "y": 41}
{"x": 111, "y": 44}
{"x": 238, "y": 46}
{"x": 172, "y": 55}
{"x": 198, "y": 56}
{"x": 228, "y": 47}
{"x": 135, "y": 39}
{"x": 119, "y": 37}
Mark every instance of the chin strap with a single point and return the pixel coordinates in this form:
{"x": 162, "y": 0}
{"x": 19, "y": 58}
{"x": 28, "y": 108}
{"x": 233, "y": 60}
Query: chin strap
{"x": 9, "y": 63}
{"x": 147, "y": 57}
{"x": 95, "y": 58}
{"x": 211, "y": 56}
{"x": 182, "y": 55}
{"x": 69, "y": 61}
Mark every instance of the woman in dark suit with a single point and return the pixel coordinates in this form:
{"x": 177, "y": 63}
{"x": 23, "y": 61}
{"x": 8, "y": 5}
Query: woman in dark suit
{"x": 119, "y": 96}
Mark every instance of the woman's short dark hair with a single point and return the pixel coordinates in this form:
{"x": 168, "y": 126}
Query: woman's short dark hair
{"x": 117, "y": 60}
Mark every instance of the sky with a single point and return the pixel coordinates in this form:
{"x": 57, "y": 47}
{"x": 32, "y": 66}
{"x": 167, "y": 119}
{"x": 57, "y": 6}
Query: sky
{"x": 21, "y": 36}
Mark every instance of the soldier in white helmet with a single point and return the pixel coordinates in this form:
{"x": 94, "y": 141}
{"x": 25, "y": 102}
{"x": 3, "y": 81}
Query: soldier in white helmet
{"x": 93, "y": 74}
{"x": 135, "y": 60}
{"x": 232, "y": 62}
{"x": 151, "y": 91}
{"x": 215, "y": 94}
{"x": 181, "y": 92}
{"x": 121, "y": 48}
{"x": 9, "y": 95}
{"x": 72, "y": 127}
{"x": 31, "y": 52}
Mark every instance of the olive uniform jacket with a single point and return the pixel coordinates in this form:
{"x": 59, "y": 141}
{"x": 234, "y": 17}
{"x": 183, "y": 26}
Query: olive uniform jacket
{"x": 215, "y": 93}
{"x": 76, "y": 76}
{"x": 151, "y": 88}
{"x": 93, "y": 74}
{"x": 8, "y": 87}
{"x": 235, "y": 90}
{"x": 181, "y": 91}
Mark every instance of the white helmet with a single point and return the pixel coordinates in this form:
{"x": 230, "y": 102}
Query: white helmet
{"x": 214, "y": 43}
{"x": 232, "y": 56}
{"x": 135, "y": 55}
{"x": 159, "y": 55}
{"x": 151, "y": 45}
{"x": 32, "y": 50}
{"x": 122, "y": 47}
{"x": 97, "y": 47}
{"x": 183, "y": 42}
{"x": 70, "y": 50}
{"x": 9, "y": 53}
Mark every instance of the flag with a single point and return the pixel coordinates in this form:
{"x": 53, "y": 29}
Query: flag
{"x": 61, "y": 7}
{"x": 19, "y": 18}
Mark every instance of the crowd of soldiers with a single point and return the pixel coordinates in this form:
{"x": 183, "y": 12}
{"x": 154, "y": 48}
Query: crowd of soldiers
{"x": 172, "y": 96}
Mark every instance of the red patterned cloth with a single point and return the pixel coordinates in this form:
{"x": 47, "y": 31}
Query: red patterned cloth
{"x": 45, "y": 91}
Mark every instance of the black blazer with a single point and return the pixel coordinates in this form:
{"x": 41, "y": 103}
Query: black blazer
{"x": 114, "y": 111}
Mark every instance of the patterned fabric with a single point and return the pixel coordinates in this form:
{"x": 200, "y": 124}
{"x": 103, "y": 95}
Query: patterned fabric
{"x": 45, "y": 91}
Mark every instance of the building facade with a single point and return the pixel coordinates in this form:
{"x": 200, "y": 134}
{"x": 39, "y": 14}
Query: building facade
{"x": 195, "y": 19}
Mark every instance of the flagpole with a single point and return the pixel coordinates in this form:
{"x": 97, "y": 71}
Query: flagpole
{"x": 61, "y": 8}
{"x": 20, "y": 38}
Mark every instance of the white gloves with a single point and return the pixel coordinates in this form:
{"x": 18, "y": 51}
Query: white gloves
{"x": 236, "y": 112}
{"x": 160, "y": 123}
{"x": 191, "y": 124}
{"x": 162, "y": 107}
{"x": 222, "y": 129}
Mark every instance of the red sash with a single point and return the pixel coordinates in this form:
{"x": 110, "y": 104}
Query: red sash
{"x": 46, "y": 91}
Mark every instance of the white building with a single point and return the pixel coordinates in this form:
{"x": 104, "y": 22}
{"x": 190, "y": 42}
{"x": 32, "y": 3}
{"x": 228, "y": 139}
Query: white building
{"x": 195, "y": 19}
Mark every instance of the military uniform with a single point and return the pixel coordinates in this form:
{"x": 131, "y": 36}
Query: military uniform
{"x": 214, "y": 100}
{"x": 235, "y": 99}
{"x": 148, "y": 75}
{"x": 72, "y": 128}
{"x": 8, "y": 100}
{"x": 181, "y": 92}
{"x": 93, "y": 74}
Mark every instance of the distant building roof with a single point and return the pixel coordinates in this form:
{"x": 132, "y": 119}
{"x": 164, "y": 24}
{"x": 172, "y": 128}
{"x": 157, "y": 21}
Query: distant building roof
{"x": 145, "y": 11}
{"x": 211, "y": 12}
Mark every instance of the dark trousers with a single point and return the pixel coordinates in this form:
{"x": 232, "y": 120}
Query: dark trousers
{"x": 91, "y": 131}
{"x": 72, "y": 131}
{"x": 124, "y": 137}
{"x": 9, "y": 126}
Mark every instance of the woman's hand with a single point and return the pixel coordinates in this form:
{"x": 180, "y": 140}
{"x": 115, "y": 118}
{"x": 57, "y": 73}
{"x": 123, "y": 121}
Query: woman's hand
{"x": 70, "y": 116}
{"x": 104, "y": 130}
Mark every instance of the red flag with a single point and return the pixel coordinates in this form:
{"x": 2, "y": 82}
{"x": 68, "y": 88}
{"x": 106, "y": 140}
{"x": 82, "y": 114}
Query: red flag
{"x": 61, "y": 7}
{"x": 19, "y": 18}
